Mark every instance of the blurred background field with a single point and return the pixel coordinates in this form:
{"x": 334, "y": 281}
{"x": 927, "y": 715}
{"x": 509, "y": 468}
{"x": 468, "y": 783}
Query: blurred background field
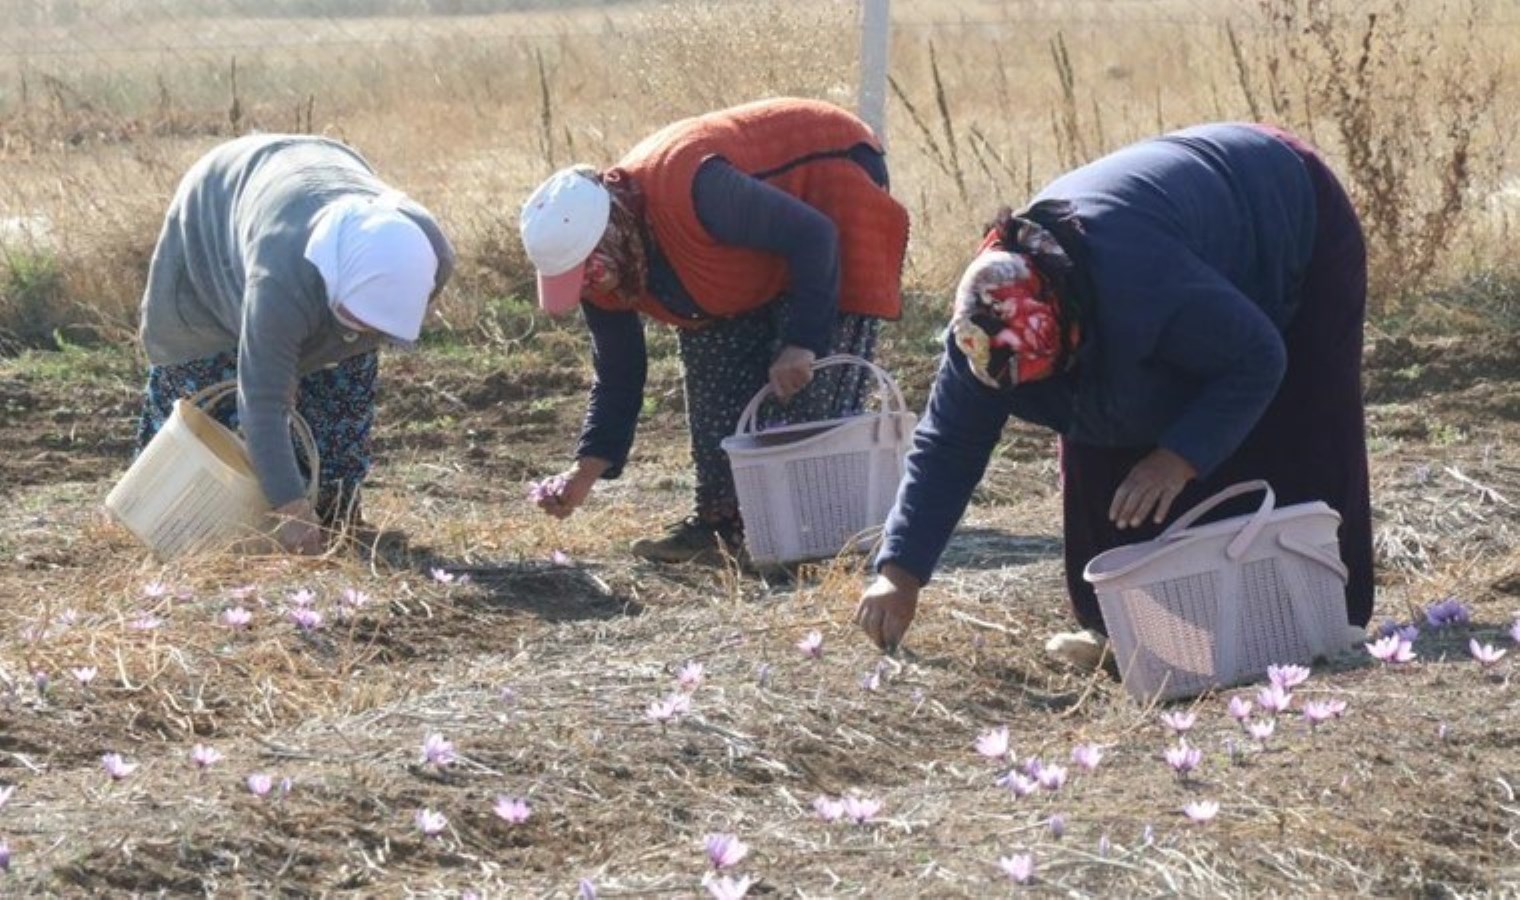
{"x": 466, "y": 104}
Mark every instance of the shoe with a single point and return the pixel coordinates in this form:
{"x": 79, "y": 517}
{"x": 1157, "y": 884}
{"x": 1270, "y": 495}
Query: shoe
{"x": 1082, "y": 650}
{"x": 692, "y": 540}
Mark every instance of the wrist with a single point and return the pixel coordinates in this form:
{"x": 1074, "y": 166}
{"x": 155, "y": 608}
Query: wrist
{"x": 901, "y": 578}
{"x": 589, "y": 468}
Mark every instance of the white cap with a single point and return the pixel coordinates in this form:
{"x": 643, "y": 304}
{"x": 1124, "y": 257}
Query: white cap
{"x": 561, "y": 223}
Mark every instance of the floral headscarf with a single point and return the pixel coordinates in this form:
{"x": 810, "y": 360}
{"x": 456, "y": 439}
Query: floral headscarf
{"x": 622, "y": 256}
{"x": 1009, "y": 319}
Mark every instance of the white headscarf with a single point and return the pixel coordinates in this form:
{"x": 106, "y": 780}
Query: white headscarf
{"x": 376, "y": 262}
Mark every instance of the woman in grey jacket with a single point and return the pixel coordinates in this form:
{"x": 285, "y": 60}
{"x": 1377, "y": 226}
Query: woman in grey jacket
{"x": 285, "y": 263}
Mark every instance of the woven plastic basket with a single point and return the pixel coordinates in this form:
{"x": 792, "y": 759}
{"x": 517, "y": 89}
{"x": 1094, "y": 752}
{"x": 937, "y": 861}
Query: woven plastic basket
{"x": 812, "y": 490}
{"x": 1199, "y": 608}
{"x": 193, "y": 489}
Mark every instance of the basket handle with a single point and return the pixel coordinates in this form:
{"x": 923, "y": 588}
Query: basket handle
{"x": 892, "y": 397}
{"x": 212, "y": 394}
{"x": 1242, "y": 541}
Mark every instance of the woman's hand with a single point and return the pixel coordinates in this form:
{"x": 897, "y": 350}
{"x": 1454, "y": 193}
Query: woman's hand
{"x": 887, "y": 607}
{"x": 792, "y": 371}
{"x": 298, "y": 531}
{"x": 1152, "y": 484}
{"x": 572, "y": 487}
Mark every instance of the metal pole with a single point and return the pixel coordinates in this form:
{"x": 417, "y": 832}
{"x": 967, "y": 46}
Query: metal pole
{"x": 875, "y": 34}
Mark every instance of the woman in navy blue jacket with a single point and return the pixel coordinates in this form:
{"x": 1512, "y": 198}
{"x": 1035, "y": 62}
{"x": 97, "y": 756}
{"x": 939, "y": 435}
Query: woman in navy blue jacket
{"x": 1185, "y": 313}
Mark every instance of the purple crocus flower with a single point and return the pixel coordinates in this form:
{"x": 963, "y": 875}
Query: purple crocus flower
{"x": 993, "y": 744}
{"x": 353, "y": 598}
{"x": 724, "y": 851}
{"x": 237, "y": 617}
{"x": 1448, "y": 612}
{"x": 1201, "y": 811}
{"x": 828, "y": 809}
{"x": 1514, "y": 631}
{"x": 1019, "y": 867}
{"x": 725, "y": 887}
{"x": 155, "y": 590}
{"x": 1032, "y": 767}
{"x": 1391, "y": 650}
{"x": 548, "y": 489}
{"x": 1240, "y": 709}
{"x": 117, "y": 767}
{"x": 84, "y": 674}
{"x": 560, "y": 558}
{"x": 689, "y": 676}
{"x": 1391, "y": 628}
{"x": 430, "y": 822}
{"x": 1087, "y": 756}
{"x": 5, "y": 857}
{"x": 861, "y": 810}
{"x": 586, "y": 890}
{"x": 1057, "y": 826}
{"x": 1336, "y": 706}
{"x": 204, "y": 757}
{"x": 1261, "y": 731}
{"x": 871, "y": 681}
{"x": 1288, "y": 677}
{"x": 442, "y": 576}
{"x": 1273, "y": 699}
{"x": 1485, "y": 654}
{"x": 1183, "y": 758}
{"x": 1020, "y": 784}
{"x": 673, "y": 707}
{"x": 1317, "y": 712}
{"x": 437, "y": 751}
{"x": 305, "y": 618}
{"x": 512, "y": 810}
{"x": 1051, "y": 778}
{"x": 41, "y": 681}
{"x": 1179, "y": 722}
{"x": 811, "y": 645}
{"x": 301, "y": 598}
{"x": 259, "y": 784}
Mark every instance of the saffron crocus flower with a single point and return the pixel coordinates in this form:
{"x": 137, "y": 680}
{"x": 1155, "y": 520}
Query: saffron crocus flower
{"x": 1087, "y": 756}
{"x": 512, "y": 810}
{"x": 861, "y": 810}
{"x": 117, "y": 767}
{"x": 1240, "y": 709}
{"x": 146, "y": 622}
{"x": 1408, "y": 632}
{"x": 1201, "y": 811}
{"x": 1019, "y": 867}
{"x": 1448, "y": 612}
{"x": 1032, "y": 767}
{"x": 724, "y": 851}
{"x": 306, "y": 619}
{"x": 442, "y": 576}
{"x": 673, "y": 707}
{"x": 811, "y": 645}
{"x": 1021, "y": 785}
{"x": 430, "y": 822}
{"x": 1261, "y": 731}
{"x": 1288, "y": 677}
{"x": 237, "y": 617}
{"x": 155, "y": 590}
{"x": 1051, "y": 778}
{"x": 1057, "y": 826}
{"x": 5, "y": 857}
{"x": 586, "y": 890}
{"x": 41, "y": 681}
{"x": 827, "y": 808}
{"x": 548, "y": 489}
{"x": 5, "y": 794}
{"x": 302, "y": 597}
{"x": 1391, "y": 650}
{"x": 689, "y": 677}
{"x": 437, "y": 751}
{"x": 993, "y": 744}
{"x": 726, "y": 888}
{"x": 1514, "y": 631}
{"x": 259, "y": 784}
{"x": 1485, "y": 654}
{"x": 1336, "y": 707}
{"x": 871, "y": 681}
{"x": 561, "y": 558}
{"x": 1317, "y": 712}
{"x": 1273, "y": 699}
{"x": 205, "y": 757}
{"x": 1179, "y": 722}
{"x": 353, "y": 598}
{"x": 1183, "y": 759}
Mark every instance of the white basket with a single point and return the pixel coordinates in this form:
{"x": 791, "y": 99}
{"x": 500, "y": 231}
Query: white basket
{"x": 193, "y": 489}
{"x": 809, "y": 491}
{"x": 1199, "y": 608}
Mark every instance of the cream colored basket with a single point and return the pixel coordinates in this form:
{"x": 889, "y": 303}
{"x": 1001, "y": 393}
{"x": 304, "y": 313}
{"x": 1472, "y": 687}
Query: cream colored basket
{"x": 193, "y": 489}
{"x": 812, "y": 490}
{"x": 1215, "y": 605}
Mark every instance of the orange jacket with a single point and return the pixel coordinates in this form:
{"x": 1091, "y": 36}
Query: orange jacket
{"x": 797, "y": 146}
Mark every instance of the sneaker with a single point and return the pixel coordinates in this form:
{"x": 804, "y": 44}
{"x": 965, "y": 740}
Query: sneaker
{"x": 1082, "y": 650}
{"x": 692, "y": 540}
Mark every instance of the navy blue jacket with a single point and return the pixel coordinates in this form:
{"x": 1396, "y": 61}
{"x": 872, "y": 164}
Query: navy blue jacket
{"x": 740, "y": 211}
{"x": 1196, "y": 243}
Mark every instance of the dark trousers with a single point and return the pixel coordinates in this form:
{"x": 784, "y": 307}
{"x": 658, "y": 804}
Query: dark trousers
{"x": 1310, "y": 444}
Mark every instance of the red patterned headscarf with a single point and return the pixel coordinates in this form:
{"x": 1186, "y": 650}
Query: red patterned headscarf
{"x": 1008, "y": 320}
